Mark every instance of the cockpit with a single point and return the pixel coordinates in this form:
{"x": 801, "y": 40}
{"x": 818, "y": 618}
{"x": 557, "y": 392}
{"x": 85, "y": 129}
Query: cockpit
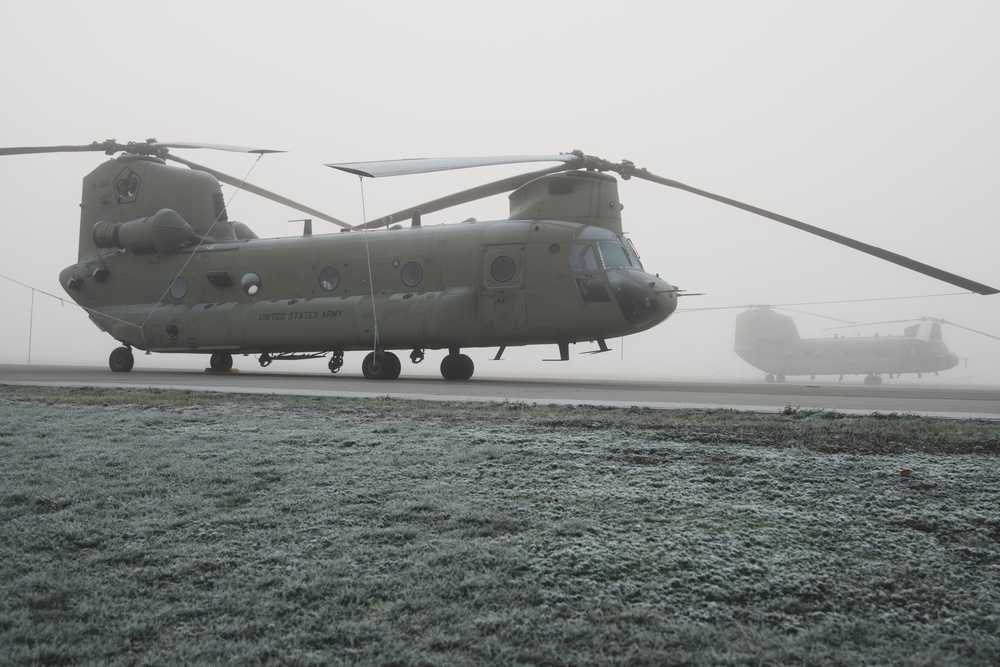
{"x": 606, "y": 269}
{"x": 607, "y": 251}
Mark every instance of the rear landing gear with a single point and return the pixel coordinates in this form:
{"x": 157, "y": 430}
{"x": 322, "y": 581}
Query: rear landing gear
{"x": 873, "y": 379}
{"x": 457, "y": 366}
{"x": 121, "y": 360}
{"x": 381, "y": 366}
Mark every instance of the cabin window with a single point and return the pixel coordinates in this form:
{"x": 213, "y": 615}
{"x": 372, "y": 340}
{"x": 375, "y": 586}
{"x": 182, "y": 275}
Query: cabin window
{"x": 178, "y": 288}
{"x": 502, "y": 269}
{"x": 329, "y": 279}
{"x": 250, "y": 283}
{"x": 412, "y": 274}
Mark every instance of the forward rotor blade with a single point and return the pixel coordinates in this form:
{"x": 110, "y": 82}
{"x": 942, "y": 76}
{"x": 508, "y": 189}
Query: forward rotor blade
{"x": 464, "y": 197}
{"x": 881, "y": 253}
{"x": 380, "y": 168}
{"x": 981, "y": 333}
{"x": 267, "y": 194}
{"x": 858, "y": 325}
{"x": 919, "y": 319}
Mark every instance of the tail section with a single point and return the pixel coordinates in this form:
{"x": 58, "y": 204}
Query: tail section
{"x": 135, "y": 189}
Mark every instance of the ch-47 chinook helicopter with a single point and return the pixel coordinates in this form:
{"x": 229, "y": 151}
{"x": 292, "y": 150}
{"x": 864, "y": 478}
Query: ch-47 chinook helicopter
{"x": 162, "y": 268}
{"x": 770, "y": 342}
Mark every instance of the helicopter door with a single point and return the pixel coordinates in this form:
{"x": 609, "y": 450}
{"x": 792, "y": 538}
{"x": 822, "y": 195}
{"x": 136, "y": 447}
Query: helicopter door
{"x": 503, "y": 303}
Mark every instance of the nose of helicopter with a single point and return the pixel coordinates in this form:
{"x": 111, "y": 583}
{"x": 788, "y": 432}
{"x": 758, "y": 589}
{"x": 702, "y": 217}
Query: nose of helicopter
{"x": 645, "y": 300}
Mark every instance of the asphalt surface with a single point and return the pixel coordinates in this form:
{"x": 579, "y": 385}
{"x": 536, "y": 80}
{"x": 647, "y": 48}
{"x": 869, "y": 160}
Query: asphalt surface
{"x": 970, "y": 402}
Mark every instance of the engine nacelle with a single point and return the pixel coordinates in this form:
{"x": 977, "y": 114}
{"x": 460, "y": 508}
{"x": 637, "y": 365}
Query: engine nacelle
{"x": 164, "y": 232}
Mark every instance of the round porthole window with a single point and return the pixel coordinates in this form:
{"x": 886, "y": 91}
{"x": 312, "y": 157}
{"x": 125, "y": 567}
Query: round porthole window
{"x": 250, "y": 282}
{"x": 178, "y": 288}
{"x": 412, "y": 274}
{"x": 502, "y": 269}
{"x": 329, "y": 279}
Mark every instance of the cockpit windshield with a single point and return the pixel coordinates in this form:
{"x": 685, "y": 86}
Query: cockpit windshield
{"x": 619, "y": 255}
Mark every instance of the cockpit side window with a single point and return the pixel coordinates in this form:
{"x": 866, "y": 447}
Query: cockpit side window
{"x": 633, "y": 254}
{"x": 582, "y": 258}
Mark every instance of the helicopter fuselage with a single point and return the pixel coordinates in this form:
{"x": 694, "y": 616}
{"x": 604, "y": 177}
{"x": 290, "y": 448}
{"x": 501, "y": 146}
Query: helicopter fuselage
{"x": 770, "y": 342}
{"x": 473, "y": 284}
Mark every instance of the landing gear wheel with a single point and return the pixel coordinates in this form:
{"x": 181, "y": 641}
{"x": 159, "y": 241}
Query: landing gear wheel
{"x": 381, "y": 366}
{"x": 121, "y": 360}
{"x": 221, "y": 362}
{"x": 768, "y": 378}
{"x": 457, "y": 367}
{"x": 873, "y": 379}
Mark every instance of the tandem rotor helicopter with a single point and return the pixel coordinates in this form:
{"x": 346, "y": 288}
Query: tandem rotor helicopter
{"x": 162, "y": 268}
{"x": 770, "y": 342}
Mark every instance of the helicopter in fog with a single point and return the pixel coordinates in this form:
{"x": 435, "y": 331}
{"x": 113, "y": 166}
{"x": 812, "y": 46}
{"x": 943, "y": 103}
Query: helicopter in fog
{"x": 770, "y": 342}
{"x": 162, "y": 268}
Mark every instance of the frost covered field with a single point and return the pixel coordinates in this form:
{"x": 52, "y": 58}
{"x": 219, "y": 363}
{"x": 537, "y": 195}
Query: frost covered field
{"x": 167, "y": 527}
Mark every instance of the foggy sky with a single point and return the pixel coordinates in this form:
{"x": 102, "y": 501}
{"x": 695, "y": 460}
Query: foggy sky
{"x": 873, "y": 119}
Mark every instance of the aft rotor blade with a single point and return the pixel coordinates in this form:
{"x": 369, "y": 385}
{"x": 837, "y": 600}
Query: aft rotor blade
{"x": 267, "y": 194}
{"x": 30, "y": 150}
{"x": 881, "y": 253}
{"x": 463, "y": 197}
{"x": 148, "y": 147}
{"x": 214, "y": 147}
{"x": 380, "y": 168}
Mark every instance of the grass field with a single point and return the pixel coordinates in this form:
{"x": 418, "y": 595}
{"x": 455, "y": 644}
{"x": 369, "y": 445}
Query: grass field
{"x": 170, "y": 527}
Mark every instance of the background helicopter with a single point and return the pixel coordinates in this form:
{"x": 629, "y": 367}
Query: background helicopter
{"x": 770, "y": 341}
{"x": 161, "y": 267}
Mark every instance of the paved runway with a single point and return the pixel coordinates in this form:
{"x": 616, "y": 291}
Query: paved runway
{"x": 964, "y": 403}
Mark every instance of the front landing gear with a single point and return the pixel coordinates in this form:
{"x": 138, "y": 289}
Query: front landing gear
{"x": 221, "y": 362}
{"x": 457, "y": 366}
{"x": 121, "y": 360}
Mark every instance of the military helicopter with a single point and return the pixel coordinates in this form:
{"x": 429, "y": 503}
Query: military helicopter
{"x": 770, "y": 342}
{"x": 162, "y": 268}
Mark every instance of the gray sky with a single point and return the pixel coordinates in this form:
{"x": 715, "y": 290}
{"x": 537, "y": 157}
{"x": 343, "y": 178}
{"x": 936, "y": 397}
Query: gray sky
{"x": 875, "y": 119}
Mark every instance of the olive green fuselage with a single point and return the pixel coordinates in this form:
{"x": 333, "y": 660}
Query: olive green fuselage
{"x": 473, "y": 284}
